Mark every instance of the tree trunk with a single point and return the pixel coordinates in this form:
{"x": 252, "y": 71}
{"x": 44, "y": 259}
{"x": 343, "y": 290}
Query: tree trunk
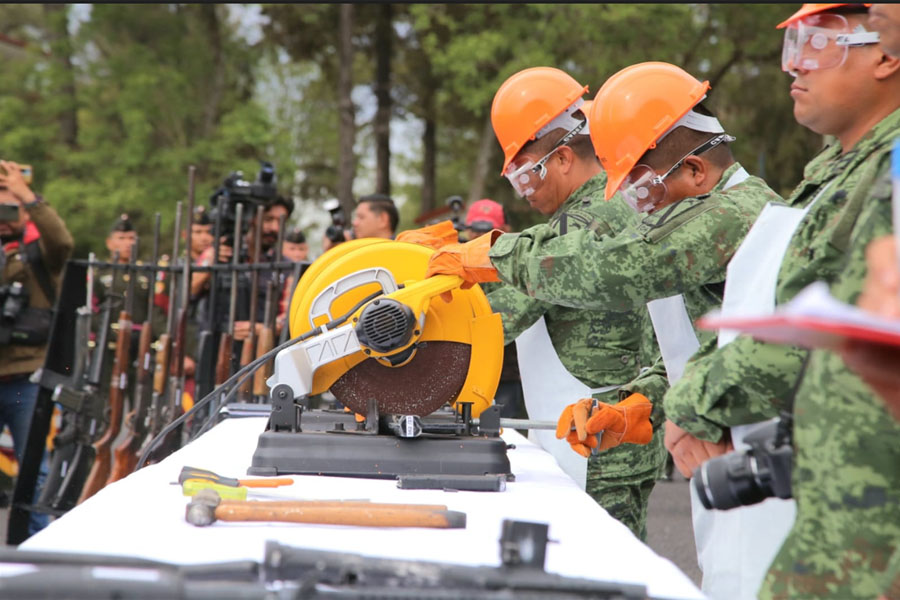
{"x": 217, "y": 83}
{"x": 383, "y": 35}
{"x": 483, "y": 162}
{"x": 347, "y": 127}
{"x": 61, "y": 47}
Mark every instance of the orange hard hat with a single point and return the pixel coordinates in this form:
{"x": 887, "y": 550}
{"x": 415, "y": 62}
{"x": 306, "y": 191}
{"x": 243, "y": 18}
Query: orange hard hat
{"x": 528, "y": 101}
{"x": 812, "y": 9}
{"x": 634, "y": 109}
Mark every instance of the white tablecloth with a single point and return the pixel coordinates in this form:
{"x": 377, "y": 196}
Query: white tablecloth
{"x": 143, "y": 516}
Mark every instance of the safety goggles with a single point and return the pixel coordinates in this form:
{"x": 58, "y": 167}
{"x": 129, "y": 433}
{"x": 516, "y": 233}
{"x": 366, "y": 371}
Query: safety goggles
{"x": 527, "y": 176}
{"x": 643, "y": 188}
{"x": 821, "y": 41}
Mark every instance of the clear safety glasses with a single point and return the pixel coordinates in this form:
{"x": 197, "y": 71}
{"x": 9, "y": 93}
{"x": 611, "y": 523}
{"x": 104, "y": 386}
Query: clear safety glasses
{"x": 644, "y": 189}
{"x": 821, "y": 42}
{"x": 527, "y": 176}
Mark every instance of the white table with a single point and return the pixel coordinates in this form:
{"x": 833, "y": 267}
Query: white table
{"x": 143, "y": 516}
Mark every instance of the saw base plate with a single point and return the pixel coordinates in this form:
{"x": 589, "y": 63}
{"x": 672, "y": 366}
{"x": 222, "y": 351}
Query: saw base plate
{"x": 377, "y": 456}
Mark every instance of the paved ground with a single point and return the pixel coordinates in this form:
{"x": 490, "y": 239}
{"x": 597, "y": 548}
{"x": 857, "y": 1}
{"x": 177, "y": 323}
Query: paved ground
{"x": 669, "y": 530}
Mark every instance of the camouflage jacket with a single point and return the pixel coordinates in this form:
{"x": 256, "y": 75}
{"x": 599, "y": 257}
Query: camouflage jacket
{"x": 846, "y": 475}
{"x": 599, "y": 347}
{"x": 680, "y": 249}
{"x": 749, "y": 381}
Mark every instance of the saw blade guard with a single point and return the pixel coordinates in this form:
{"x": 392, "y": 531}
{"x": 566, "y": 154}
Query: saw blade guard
{"x": 441, "y": 309}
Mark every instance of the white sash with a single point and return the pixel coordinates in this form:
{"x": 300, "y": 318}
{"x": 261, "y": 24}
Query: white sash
{"x": 548, "y": 388}
{"x": 736, "y": 547}
{"x": 671, "y": 323}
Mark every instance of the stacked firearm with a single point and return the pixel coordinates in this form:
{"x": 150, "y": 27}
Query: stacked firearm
{"x": 99, "y": 442}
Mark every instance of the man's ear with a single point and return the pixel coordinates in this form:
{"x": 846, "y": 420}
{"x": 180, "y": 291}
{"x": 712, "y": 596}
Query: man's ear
{"x": 887, "y": 66}
{"x": 696, "y": 170}
{"x": 566, "y": 158}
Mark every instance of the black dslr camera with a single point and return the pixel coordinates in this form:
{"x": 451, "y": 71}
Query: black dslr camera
{"x": 235, "y": 190}
{"x": 335, "y": 231}
{"x": 750, "y": 476}
{"x": 21, "y": 324}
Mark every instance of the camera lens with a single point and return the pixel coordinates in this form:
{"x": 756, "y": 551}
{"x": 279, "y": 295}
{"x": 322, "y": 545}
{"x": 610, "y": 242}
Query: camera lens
{"x": 729, "y": 481}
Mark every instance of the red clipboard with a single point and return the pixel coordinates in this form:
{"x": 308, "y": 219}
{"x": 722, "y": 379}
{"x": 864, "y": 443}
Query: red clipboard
{"x": 795, "y": 330}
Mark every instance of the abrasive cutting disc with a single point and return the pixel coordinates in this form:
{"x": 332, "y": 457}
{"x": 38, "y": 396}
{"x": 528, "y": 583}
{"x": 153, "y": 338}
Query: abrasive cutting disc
{"x": 433, "y": 377}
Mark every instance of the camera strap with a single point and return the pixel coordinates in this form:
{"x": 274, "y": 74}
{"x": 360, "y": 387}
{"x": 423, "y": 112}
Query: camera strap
{"x": 31, "y": 255}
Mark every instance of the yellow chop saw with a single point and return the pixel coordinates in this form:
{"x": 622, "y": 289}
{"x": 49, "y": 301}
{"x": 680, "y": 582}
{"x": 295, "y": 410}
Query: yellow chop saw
{"x": 417, "y": 360}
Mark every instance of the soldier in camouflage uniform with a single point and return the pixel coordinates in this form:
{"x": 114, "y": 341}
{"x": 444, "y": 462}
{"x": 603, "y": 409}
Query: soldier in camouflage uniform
{"x": 845, "y": 478}
{"x": 600, "y": 348}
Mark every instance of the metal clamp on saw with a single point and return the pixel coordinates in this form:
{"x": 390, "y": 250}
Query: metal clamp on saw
{"x": 412, "y": 352}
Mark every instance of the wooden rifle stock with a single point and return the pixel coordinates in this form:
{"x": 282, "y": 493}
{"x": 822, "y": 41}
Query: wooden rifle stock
{"x": 125, "y": 454}
{"x": 161, "y": 372}
{"x": 224, "y": 358}
{"x": 119, "y": 383}
{"x": 264, "y": 344}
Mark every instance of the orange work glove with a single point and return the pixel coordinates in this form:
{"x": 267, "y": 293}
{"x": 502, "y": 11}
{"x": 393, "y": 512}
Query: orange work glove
{"x": 434, "y": 236}
{"x": 470, "y": 260}
{"x": 625, "y": 422}
{"x": 576, "y": 416}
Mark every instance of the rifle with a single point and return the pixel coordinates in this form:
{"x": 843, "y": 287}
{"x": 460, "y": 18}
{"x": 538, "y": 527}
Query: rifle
{"x": 267, "y": 337}
{"x": 117, "y": 388}
{"x": 73, "y": 452}
{"x": 249, "y": 346}
{"x": 164, "y": 348}
{"x": 176, "y": 361}
{"x": 225, "y": 356}
{"x": 205, "y": 377}
{"x": 125, "y": 453}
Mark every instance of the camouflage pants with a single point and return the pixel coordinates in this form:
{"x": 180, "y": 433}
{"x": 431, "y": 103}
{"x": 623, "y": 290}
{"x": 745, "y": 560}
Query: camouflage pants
{"x": 625, "y": 495}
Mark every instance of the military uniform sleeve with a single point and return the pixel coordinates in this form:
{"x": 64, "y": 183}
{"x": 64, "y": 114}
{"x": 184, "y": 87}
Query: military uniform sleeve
{"x": 518, "y": 311}
{"x": 585, "y": 270}
{"x": 746, "y": 381}
{"x": 653, "y": 384}
{"x": 56, "y": 242}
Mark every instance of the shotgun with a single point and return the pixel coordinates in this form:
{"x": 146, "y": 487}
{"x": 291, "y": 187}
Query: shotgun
{"x": 225, "y": 356}
{"x": 164, "y": 347}
{"x": 126, "y": 453}
{"x": 173, "y": 408}
{"x": 117, "y": 389}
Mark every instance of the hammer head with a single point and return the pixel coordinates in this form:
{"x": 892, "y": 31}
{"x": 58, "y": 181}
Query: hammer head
{"x": 200, "y": 514}
{"x": 201, "y": 511}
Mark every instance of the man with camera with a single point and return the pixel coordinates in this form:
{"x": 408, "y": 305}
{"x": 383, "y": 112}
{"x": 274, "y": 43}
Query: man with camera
{"x": 36, "y": 245}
